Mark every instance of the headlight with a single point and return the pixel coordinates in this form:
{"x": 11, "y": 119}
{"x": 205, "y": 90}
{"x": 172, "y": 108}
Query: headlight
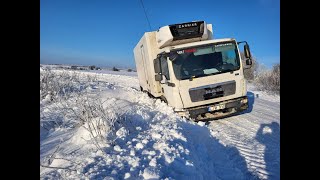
{"x": 244, "y": 101}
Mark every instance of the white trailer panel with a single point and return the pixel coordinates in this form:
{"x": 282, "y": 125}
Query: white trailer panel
{"x": 145, "y": 52}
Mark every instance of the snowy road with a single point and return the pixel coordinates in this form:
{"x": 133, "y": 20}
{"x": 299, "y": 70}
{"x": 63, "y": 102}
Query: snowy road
{"x": 256, "y": 136}
{"x": 154, "y": 143}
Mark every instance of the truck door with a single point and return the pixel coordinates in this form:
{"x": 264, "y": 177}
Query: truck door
{"x": 167, "y": 86}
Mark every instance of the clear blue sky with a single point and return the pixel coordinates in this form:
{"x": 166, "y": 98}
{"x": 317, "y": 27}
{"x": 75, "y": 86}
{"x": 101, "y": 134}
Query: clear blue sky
{"x": 104, "y": 32}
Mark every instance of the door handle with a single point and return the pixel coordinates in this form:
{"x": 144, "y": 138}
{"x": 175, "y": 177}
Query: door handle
{"x": 171, "y": 84}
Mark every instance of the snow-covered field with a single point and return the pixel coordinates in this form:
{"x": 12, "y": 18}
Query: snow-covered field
{"x": 103, "y": 127}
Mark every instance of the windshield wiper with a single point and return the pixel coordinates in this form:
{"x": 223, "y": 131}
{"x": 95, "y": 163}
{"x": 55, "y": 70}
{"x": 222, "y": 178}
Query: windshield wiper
{"x": 220, "y": 72}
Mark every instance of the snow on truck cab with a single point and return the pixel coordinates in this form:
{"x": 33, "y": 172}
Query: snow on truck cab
{"x": 199, "y": 76}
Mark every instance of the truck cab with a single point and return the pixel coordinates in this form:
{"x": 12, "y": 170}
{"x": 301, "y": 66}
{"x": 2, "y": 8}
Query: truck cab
{"x": 200, "y": 77}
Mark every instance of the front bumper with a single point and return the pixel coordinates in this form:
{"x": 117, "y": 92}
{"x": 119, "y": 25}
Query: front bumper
{"x": 218, "y": 110}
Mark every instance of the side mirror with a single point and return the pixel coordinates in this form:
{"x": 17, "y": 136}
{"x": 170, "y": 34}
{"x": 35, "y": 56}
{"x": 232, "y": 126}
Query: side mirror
{"x": 157, "y": 66}
{"x": 158, "y": 77}
{"x": 247, "y": 52}
{"x": 248, "y": 62}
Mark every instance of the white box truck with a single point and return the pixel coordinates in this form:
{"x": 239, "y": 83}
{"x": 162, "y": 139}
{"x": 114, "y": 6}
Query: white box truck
{"x": 199, "y": 76}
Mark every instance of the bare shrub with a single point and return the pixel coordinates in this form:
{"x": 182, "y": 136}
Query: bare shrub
{"x": 115, "y": 69}
{"x": 97, "y": 116}
{"x": 92, "y": 78}
{"x": 73, "y": 108}
{"x": 269, "y": 80}
{"x": 62, "y": 84}
{"x": 86, "y": 109}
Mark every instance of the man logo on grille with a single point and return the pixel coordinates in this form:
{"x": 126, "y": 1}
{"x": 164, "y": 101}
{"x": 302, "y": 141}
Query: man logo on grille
{"x": 214, "y": 90}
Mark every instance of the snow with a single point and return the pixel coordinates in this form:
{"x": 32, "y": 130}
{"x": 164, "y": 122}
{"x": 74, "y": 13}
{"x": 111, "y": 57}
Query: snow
{"x": 149, "y": 141}
{"x": 120, "y": 72}
{"x": 150, "y": 173}
{"x": 127, "y": 175}
{"x": 139, "y": 146}
{"x": 263, "y": 95}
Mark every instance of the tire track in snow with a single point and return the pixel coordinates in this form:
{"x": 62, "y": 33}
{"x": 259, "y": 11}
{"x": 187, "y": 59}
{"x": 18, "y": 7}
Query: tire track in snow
{"x": 248, "y": 150}
{"x": 242, "y": 132}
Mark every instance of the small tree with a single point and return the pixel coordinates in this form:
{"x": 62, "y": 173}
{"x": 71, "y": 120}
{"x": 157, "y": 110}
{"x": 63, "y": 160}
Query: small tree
{"x": 92, "y": 67}
{"x": 275, "y": 78}
{"x": 129, "y": 70}
{"x": 269, "y": 80}
{"x": 115, "y": 69}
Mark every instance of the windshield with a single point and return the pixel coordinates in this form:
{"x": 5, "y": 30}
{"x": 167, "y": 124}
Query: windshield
{"x": 205, "y": 60}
